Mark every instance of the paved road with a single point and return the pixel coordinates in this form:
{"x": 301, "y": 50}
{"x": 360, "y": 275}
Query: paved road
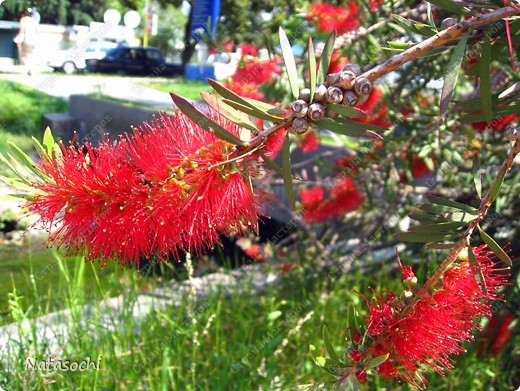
{"x": 126, "y": 88}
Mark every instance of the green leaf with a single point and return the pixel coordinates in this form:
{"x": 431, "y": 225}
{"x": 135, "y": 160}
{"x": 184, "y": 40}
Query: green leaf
{"x": 438, "y": 227}
{"x": 440, "y": 246}
{"x": 254, "y": 104}
{"x": 227, "y": 111}
{"x": 400, "y": 45}
{"x": 421, "y": 237}
{"x": 328, "y": 345}
{"x": 498, "y": 112}
{"x": 26, "y": 160}
{"x": 361, "y": 125}
{"x": 425, "y": 30}
{"x": 427, "y": 218}
{"x": 493, "y": 246}
{"x": 430, "y": 15}
{"x": 497, "y": 185}
{"x": 312, "y": 69}
{"x": 340, "y": 128}
{"x": 287, "y": 174}
{"x": 450, "y": 79}
{"x": 347, "y": 111}
{"x": 251, "y": 111}
{"x": 477, "y": 176}
{"x": 449, "y": 6}
{"x": 326, "y": 55}
{"x": 406, "y": 24}
{"x": 485, "y": 81}
{"x": 377, "y": 361}
{"x": 461, "y": 216}
{"x": 476, "y": 270}
{"x": 453, "y": 204}
{"x": 290, "y": 64}
{"x": 204, "y": 122}
{"x": 246, "y": 175}
{"x": 48, "y": 142}
{"x": 270, "y": 163}
{"x": 262, "y": 106}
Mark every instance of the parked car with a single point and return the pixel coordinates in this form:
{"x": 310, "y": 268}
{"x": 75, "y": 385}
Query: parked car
{"x": 139, "y": 60}
{"x": 73, "y": 60}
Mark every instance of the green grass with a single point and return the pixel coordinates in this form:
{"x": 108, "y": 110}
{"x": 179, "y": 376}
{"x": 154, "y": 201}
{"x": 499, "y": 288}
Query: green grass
{"x": 21, "y": 111}
{"x": 189, "y": 89}
{"x": 22, "y": 107}
{"x": 244, "y": 342}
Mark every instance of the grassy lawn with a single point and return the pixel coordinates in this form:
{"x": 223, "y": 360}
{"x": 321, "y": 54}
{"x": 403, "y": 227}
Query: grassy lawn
{"x": 21, "y": 111}
{"x": 244, "y": 342}
{"x": 189, "y": 89}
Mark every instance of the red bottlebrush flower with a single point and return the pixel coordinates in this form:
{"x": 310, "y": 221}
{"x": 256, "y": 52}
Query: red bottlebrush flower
{"x": 343, "y": 197}
{"x": 166, "y": 188}
{"x": 248, "y": 49}
{"x": 312, "y": 198}
{"x": 274, "y": 143}
{"x": 427, "y": 330}
{"x": 375, "y": 4}
{"x": 310, "y": 142}
{"x": 375, "y": 109}
{"x": 328, "y": 17}
{"x": 497, "y": 124}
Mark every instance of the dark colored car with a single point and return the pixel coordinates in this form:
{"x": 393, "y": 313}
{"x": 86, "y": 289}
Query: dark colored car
{"x": 139, "y": 60}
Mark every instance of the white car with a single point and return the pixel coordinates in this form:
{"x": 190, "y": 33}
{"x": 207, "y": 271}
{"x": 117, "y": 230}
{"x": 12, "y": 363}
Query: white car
{"x": 73, "y": 60}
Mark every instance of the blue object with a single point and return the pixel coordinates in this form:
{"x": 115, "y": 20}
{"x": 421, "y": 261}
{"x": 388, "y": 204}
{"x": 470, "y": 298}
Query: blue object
{"x": 199, "y": 72}
{"x": 202, "y": 11}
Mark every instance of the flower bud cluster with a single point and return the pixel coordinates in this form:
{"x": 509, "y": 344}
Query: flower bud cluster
{"x": 345, "y": 88}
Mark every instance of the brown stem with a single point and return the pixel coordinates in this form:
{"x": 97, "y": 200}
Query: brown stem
{"x": 440, "y": 39}
{"x": 464, "y": 239}
{"x": 261, "y": 137}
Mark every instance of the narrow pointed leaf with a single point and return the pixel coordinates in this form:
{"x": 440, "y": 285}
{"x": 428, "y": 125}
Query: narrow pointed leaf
{"x": 440, "y": 227}
{"x": 26, "y": 160}
{"x": 270, "y": 163}
{"x": 287, "y": 174}
{"x": 347, "y": 130}
{"x": 251, "y": 111}
{"x": 421, "y": 237}
{"x": 252, "y": 103}
{"x": 362, "y": 125}
{"x": 498, "y": 111}
{"x": 493, "y": 246}
{"x": 461, "y": 216}
{"x": 326, "y": 56}
{"x": 204, "y": 122}
{"x": 246, "y": 176}
{"x": 18, "y": 173}
{"x": 485, "y": 81}
{"x": 347, "y": 111}
{"x": 440, "y": 246}
{"x": 312, "y": 69}
{"x": 453, "y": 204}
{"x": 48, "y": 141}
{"x": 228, "y": 111}
{"x": 427, "y": 218}
{"x": 290, "y": 64}
{"x": 328, "y": 345}
{"x": 476, "y": 270}
{"x": 450, "y": 79}
{"x": 39, "y": 148}
{"x": 497, "y": 185}
{"x": 377, "y": 361}
{"x": 449, "y": 5}
{"x": 262, "y": 106}
{"x": 477, "y": 176}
